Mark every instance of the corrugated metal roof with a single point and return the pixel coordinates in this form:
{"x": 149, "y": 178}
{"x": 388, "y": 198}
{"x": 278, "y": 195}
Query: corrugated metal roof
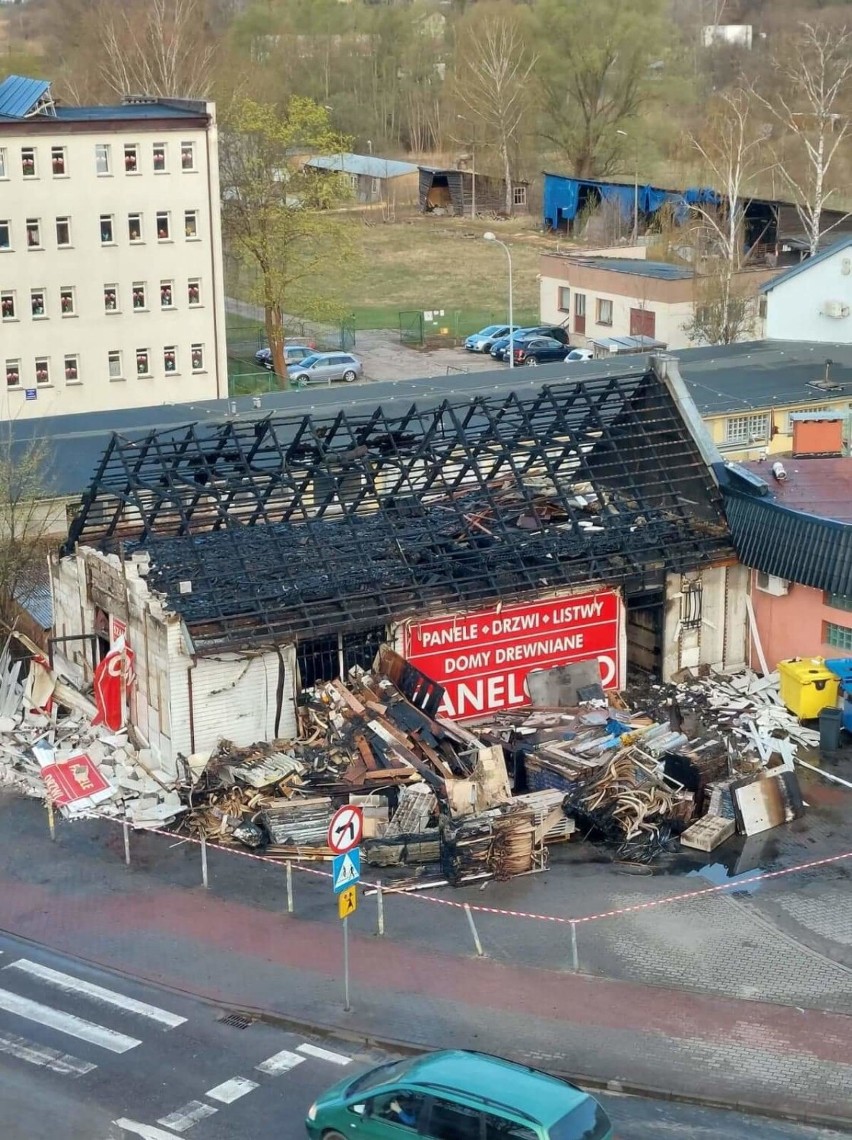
{"x": 18, "y": 95}
{"x": 369, "y": 165}
{"x": 35, "y": 598}
{"x": 808, "y": 263}
{"x": 126, "y": 111}
{"x": 638, "y": 267}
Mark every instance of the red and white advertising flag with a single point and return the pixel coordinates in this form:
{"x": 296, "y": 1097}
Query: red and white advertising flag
{"x": 113, "y": 680}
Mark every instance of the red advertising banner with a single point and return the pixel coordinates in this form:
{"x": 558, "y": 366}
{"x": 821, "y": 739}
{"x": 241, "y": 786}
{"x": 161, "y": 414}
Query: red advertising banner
{"x": 73, "y": 779}
{"x": 482, "y": 659}
{"x": 113, "y": 678}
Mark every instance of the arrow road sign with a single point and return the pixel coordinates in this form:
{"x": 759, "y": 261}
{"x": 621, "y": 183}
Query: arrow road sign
{"x": 347, "y": 902}
{"x": 346, "y": 870}
{"x": 345, "y": 829}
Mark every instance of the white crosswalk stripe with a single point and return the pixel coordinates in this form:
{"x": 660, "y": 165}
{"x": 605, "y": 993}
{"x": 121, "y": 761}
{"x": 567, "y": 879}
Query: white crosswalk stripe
{"x": 68, "y": 984}
{"x": 68, "y": 1023}
{"x": 41, "y": 1055}
{"x": 231, "y": 1090}
{"x": 324, "y": 1054}
{"x": 279, "y": 1063}
{"x": 187, "y": 1115}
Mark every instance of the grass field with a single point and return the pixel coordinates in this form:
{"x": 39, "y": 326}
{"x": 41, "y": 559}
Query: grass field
{"x": 433, "y": 263}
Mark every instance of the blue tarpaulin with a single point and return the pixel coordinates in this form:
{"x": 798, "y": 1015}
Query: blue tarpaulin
{"x": 565, "y": 197}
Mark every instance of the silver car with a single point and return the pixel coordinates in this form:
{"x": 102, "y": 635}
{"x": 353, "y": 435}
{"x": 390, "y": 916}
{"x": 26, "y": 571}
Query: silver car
{"x": 324, "y": 367}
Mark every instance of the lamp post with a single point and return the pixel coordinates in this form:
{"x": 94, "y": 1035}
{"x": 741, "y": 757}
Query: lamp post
{"x": 489, "y": 236}
{"x": 635, "y": 188}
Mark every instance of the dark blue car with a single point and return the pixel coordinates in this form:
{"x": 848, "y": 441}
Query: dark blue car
{"x": 500, "y": 348}
{"x": 539, "y": 350}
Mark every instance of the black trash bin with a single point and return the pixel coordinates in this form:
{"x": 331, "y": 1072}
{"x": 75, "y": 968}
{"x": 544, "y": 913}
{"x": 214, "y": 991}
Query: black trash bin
{"x": 830, "y": 724}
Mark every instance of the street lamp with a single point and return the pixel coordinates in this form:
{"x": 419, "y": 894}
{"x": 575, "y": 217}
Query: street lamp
{"x": 635, "y": 187}
{"x": 489, "y": 236}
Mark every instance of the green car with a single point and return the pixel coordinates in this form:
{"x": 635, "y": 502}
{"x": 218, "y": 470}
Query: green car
{"x": 456, "y": 1095}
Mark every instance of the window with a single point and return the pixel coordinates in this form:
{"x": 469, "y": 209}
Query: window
{"x": 159, "y": 158}
{"x": 107, "y": 232}
{"x": 111, "y": 298}
{"x": 7, "y": 306}
{"x": 66, "y": 301}
{"x": 193, "y": 290}
{"x": 499, "y": 1128}
{"x": 564, "y": 299}
{"x": 143, "y": 365}
{"x": 131, "y": 158}
{"x": 38, "y": 306}
{"x": 102, "y": 158}
{"x": 190, "y": 223}
{"x": 402, "y": 1109}
{"x": 5, "y": 234}
{"x": 604, "y": 312}
{"x": 746, "y": 429}
{"x": 42, "y": 371}
{"x": 163, "y": 225}
{"x": 33, "y": 233}
{"x": 13, "y": 373}
{"x": 448, "y": 1121}
{"x": 353, "y": 182}
{"x": 115, "y": 369}
{"x": 63, "y": 232}
{"x": 138, "y": 294}
{"x": 375, "y": 187}
{"x": 28, "y": 162}
{"x": 134, "y": 227}
{"x": 72, "y": 372}
{"x": 838, "y": 601}
{"x": 170, "y": 358}
{"x": 58, "y": 161}
{"x": 167, "y": 295}
{"x": 197, "y": 357}
{"x": 4, "y": 167}
{"x": 187, "y": 156}
{"x": 519, "y": 195}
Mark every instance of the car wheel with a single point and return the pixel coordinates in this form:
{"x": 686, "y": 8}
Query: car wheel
{"x": 303, "y": 379}
{"x": 349, "y": 376}
{"x": 332, "y": 1136}
{"x": 532, "y": 361}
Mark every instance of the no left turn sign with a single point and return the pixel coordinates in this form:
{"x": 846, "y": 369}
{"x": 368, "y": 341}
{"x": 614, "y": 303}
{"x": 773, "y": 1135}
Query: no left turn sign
{"x": 345, "y": 829}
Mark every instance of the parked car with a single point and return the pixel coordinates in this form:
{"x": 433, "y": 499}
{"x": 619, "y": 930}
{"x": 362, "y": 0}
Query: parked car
{"x": 293, "y": 353}
{"x": 539, "y": 350}
{"x": 578, "y": 354}
{"x": 555, "y": 331}
{"x": 456, "y": 1095}
{"x": 483, "y": 340}
{"x": 323, "y": 367}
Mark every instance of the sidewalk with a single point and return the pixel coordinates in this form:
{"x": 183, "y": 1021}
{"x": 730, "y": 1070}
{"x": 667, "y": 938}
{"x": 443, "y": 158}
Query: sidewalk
{"x": 772, "y": 1058}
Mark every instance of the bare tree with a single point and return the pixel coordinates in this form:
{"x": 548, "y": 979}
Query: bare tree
{"x": 724, "y": 309}
{"x": 160, "y": 47}
{"x": 491, "y": 79}
{"x": 812, "y": 106}
{"x": 24, "y": 518}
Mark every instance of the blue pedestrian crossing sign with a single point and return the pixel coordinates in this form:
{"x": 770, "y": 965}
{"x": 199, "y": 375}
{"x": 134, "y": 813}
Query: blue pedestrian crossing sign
{"x": 346, "y": 870}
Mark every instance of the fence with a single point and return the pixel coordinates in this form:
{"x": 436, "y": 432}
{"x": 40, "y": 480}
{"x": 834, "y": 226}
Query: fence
{"x": 245, "y": 336}
{"x": 436, "y": 328}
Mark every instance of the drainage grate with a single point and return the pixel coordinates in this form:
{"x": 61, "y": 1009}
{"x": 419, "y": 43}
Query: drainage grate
{"x": 238, "y": 1020}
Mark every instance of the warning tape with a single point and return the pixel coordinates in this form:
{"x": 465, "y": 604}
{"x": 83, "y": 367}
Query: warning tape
{"x": 684, "y": 896}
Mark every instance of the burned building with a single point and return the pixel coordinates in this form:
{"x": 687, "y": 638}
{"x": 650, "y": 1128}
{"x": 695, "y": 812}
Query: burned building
{"x": 483, "y": 538}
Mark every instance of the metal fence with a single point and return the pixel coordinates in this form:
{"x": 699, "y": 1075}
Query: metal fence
{"x": 436, "y": 328}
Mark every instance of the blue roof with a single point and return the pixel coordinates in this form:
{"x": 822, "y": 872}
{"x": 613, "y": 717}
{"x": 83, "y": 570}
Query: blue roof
{"x": 155, "y": 110}
{"x": 638, "y": 267}
{"x": 370, "y": 165}
{"x": 18, "y": 95}
{"x": 795, "y": 270}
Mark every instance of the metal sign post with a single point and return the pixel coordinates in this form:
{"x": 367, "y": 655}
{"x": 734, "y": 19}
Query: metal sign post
{"x": 344, "y": 835}
{"x": 346, "y": 1006}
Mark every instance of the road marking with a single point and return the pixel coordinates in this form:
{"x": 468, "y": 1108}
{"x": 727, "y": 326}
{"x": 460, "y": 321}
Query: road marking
{"x": 70, "y": 984}
{"x": 146, "y": 1131}
{"x": 187, "y": 1115}
{"x": 51, "y": 1059}
{"x": 67, "y": 1023}
{"x": 232, "y": 1090}
{"x": 324, "y": 1054}
{"x": 279, "y": 1063}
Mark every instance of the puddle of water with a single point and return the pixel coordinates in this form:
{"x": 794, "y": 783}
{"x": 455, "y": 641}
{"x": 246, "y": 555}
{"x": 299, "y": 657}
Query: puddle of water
{"x": 734, "y": 861}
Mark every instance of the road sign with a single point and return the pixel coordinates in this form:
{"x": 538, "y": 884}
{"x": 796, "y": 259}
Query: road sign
{"x": 345, "y": 829}
{"x": 347, "y": 903}
{"x": 346, "y": 870}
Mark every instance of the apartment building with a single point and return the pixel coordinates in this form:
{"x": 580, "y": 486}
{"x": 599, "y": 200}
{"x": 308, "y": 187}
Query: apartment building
{"x": 111, "y": 291}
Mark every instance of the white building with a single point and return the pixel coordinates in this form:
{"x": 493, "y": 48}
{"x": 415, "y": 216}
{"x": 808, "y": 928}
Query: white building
{"x": 111, "y": 291}
{"x": 812, "y": 300}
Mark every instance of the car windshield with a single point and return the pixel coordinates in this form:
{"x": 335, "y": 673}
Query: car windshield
{"x": 575, "y": 355}
{"x": 490, "y": 330}
{"x": 587, "y": 1121}
{"x": 308, "y": 361}
{"x": 373, "y": 1078}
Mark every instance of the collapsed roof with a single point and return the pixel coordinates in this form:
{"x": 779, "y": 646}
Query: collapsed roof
{"x": 262, "y": 531}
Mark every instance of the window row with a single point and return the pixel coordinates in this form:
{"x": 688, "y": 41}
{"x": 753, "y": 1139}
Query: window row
{"x": 747, "y": 429}
{"x": 107, "y": 229}
{"x": 142, "y": 365}
{"x": 131, "y": 159}
{"x": 139, "y": 298}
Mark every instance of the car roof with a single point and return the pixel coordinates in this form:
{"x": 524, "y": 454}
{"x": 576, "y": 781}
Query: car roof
{"x": 544, "y": 1098}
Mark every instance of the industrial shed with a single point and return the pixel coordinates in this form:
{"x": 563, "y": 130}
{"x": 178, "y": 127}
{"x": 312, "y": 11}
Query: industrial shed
{"x": 249, "y": 558}
{"x": 465, "y": 192}
{"x": 373, "y": 179}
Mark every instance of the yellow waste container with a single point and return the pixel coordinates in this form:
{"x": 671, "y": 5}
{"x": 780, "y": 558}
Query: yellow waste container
{"x": 807, "y": 686}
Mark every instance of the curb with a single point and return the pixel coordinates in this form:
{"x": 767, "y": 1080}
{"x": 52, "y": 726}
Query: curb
{"x": 391, "y": 1044}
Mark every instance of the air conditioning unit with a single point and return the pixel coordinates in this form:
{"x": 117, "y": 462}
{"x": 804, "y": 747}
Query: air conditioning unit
{"x": 769, "y": 584}
{"x": 836, "y": 309}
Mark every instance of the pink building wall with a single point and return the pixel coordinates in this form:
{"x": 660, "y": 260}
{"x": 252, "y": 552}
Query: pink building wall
{"x": 792, "y": 625}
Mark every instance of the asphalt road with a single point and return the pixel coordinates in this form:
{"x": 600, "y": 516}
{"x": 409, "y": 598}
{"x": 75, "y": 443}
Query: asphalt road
{"x": 87, "y": 1055}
